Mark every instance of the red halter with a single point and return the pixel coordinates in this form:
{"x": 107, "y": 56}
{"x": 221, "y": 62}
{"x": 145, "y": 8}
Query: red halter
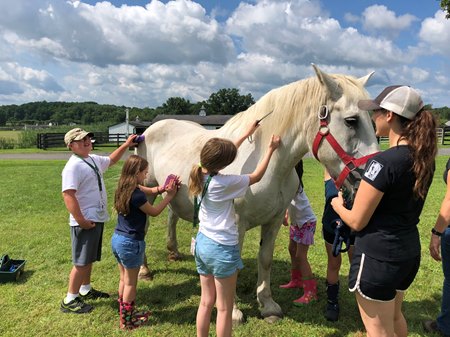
{"x": 350, "y": 163}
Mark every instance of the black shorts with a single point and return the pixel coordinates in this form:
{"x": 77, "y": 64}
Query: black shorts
{"x": 328, "y": 236}
{"x": 86, "y": 244}
{"x": 380, "y": 280}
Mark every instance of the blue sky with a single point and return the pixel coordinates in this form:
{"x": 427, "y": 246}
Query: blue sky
{"x": 140, "y": 53}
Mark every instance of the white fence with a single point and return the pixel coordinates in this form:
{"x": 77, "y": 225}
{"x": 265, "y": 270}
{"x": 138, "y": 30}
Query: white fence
{"x": 439, "y": 131}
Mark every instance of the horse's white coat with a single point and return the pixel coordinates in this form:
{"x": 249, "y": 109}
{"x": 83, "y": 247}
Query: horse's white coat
{"x": 173, "y": 146}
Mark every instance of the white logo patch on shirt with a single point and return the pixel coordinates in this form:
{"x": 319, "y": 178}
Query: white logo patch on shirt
{"x": 373, "y": 170}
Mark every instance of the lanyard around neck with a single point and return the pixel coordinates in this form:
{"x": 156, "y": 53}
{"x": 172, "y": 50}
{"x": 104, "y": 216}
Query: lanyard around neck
{"x": 198, "y": 203}
{"x": 96, "y": 170}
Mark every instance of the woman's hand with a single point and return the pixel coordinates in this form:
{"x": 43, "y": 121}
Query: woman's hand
{"x": 130, "y": 140}
{"x": 172, "y": 188}
{"x": 338, "y": 201}
{"x": 435, "y": 247}
{"x": 275, "y": 142}
{"x": 251, "y": 129}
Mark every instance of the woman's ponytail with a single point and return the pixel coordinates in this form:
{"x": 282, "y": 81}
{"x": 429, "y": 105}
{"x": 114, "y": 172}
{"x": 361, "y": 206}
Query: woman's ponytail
{"x": 422, "y": 138}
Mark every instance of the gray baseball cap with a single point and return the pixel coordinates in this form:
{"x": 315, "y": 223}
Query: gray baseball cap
{"x": 400, "y": 99}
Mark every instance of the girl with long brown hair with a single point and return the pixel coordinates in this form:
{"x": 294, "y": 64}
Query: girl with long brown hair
{"x": 127, "y": 242}
{"x": 387, "y": 208}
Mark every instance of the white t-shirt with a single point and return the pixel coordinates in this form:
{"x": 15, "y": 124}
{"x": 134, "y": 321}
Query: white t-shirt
{"x": 79, "y": 176}
{"x": 300, "y": 211}
{"x": 217, "y": 215}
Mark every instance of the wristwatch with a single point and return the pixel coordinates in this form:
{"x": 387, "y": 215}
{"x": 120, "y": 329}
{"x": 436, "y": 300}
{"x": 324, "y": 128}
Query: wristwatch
{"x": 435, "y": 232}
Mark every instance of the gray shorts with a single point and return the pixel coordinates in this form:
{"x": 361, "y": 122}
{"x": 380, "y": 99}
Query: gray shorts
{"x": 86, "y": 244}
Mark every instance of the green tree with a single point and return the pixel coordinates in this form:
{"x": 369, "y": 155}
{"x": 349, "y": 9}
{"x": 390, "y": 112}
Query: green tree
{"x": 445, "y": 5}
{"x": 176, "y": 106}
{"x": 228, "y": 102}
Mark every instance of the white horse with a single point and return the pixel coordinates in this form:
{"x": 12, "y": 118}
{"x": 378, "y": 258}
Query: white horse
{"x": 173, "y": 146}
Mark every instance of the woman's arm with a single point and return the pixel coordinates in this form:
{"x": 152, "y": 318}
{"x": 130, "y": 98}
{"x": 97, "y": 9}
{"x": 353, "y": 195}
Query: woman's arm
{"x": 366, "y": 201}
{"x": 151, "y": 190}
{"x": 259, "y": 171}
{"x": 151, "y": 210}
{"x": 118, "y": 153}
{"x": 442, "y": 221}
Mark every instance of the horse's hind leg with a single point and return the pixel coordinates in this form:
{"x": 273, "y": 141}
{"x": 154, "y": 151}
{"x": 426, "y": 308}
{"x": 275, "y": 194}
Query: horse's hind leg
{"x": 270, "y": 310}
{"x": 172, "y": 244}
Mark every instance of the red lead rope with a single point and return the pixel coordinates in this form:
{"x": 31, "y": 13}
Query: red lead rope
{"x": 350, "y": 163}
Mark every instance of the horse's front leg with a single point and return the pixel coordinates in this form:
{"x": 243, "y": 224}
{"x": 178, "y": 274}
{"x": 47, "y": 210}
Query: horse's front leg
{"x": 172, "y": 243}
{"x": 144, "y": 272}
{"x": 270, "y": 310}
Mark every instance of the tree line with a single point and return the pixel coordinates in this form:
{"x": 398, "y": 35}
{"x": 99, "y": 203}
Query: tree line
{"x": 223, "y": 102}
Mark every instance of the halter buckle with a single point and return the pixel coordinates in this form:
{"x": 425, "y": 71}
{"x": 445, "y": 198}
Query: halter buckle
{"x": 323, "y": 112}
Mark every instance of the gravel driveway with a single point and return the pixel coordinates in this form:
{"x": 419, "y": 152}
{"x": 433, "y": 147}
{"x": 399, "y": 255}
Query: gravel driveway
{"x": 65, "y": 155}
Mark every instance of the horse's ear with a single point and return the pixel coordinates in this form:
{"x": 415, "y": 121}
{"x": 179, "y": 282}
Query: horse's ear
{"x": 365, "y": 79}
{"x": 328, "y": 82}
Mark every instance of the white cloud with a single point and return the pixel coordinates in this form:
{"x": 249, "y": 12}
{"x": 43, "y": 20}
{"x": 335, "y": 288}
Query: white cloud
{"x": 435, "y": 33}
{"x": 302, "y": 34}
{"x": 349, "y": 17}
{"x": 141, "y": 56}
{"x": 378, "y": 18}
{"x": 176, "y": 32}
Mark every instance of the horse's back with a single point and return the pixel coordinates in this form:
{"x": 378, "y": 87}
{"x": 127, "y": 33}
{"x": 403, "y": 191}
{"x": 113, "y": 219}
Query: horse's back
{"x": 172, "y": 147}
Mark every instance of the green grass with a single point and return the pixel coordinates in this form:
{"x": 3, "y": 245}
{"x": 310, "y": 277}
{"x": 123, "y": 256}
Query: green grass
{"x": 10, "y": 135}
{"x": 34, "y": 226}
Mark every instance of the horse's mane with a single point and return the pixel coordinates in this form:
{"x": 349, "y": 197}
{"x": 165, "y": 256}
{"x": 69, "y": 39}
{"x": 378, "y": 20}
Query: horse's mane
{"x": 294, "y": 102}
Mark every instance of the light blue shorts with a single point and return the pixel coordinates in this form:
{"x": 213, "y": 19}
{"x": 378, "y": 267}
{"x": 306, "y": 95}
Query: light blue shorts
{"x": 128, "y": 252}
{"x": 215, "y": 259}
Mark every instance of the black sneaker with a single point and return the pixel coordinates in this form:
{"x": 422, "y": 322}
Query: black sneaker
{"x": 431, "y": 326}
{"x": 76, "y": 306}
{"x": 94, "y": 294}
{"x": 332, "y": 312}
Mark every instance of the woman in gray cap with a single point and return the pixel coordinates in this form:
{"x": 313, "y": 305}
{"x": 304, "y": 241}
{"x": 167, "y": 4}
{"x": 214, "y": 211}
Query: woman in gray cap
{"x": 387, "y": 207}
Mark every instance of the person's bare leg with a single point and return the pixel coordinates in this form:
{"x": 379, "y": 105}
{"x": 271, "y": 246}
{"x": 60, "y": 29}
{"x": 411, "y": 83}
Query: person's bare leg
{"x": 207, "y": 301}
{"x": 226, "y": 290}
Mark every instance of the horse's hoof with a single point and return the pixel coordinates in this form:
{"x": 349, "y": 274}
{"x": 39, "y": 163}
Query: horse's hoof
{"x": 145, "y": 277}
{"x": 238, "y": 318}
{"x": 272, "y": 319}
{"x": 174, "y": 257}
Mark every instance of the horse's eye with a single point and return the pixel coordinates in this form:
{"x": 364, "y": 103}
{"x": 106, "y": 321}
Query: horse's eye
{"x": 351, "y": 122}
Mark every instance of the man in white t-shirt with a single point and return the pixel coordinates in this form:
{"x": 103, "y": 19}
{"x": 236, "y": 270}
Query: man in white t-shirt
{"x": 85, "y": 198}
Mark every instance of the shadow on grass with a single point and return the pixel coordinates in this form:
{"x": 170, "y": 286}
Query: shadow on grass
{"x": 174, "y": 294}
{"x": 24, "y": 276}
{"x": 311, "y": 314}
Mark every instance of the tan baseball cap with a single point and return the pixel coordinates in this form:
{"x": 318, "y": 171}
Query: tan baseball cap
{"x": 76, "y": 134}
{"x": 401, "y": 99}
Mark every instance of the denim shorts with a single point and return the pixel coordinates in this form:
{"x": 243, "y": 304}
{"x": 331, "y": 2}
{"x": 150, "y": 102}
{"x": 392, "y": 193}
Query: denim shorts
{"x": 212, "y": 258}
{"x": 128, "y": 252}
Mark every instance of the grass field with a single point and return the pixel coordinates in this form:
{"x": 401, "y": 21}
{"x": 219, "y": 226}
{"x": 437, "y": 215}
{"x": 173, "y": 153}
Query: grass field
{"x": 34, "y": 227}
{"x": 10, "y": 134}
